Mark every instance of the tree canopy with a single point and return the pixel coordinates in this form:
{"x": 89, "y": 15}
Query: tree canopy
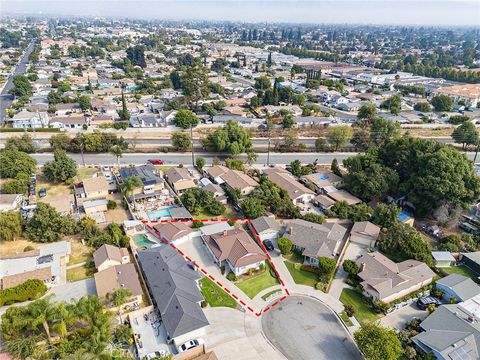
{"x": 61, "y": 168}
{"x": 185, "y": 119}
{"x": 13, "y": 162}
{"x": 232, "y": 138}
{"x": 378, "y": 343}
{"x": 47, "y": 225}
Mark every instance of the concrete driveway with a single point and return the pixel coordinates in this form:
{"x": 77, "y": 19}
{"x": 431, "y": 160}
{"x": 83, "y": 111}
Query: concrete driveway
{"x": 303, "y": 328}
{"x": 399, "y": 318}
{"x": 73, "y": 290}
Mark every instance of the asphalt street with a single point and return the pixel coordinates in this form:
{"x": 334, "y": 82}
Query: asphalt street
{"x": 5, "y": 98}
{"x": 186, "y": 158}
{"x": 303, "y": 328}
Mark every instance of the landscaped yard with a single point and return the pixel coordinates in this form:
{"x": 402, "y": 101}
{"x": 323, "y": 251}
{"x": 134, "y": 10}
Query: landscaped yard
{"x": 80, "y": 272}
{"x": 254, "y": 285}
{"x": 362, "y": 311}
{"x": 229, "y": 214}
{"x": 85, "y": 172}
{"x": 346, "y": 319}
{"x": 462, "y": 270}
{"x": 214, "y": 295}
{"x": 300, "y": 276}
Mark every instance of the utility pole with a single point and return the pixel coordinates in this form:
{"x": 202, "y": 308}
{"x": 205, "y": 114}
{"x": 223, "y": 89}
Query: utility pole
{"x": 191, "y": 140}
{"x": 268, "y": 132}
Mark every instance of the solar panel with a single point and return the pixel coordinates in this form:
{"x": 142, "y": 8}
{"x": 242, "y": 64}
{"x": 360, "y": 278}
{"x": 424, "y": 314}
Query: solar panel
{"x": 462, "y": 353}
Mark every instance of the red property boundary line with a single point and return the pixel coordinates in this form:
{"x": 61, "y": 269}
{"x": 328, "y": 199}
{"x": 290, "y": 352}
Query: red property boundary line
{"x": 206, "y": 274}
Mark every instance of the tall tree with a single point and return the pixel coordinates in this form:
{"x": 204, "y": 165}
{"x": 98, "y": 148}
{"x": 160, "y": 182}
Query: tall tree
{"x": 117, "y": 151}
{"x": 378, "y": 343}
{"x": 195, "y": 83}
{"x": 339, "y": 136}
{"x": 465, "y": 134}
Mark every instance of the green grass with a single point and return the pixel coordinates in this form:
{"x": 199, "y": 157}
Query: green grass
{"x": 214, "y": 295}
{"x": 254, "y": 285}
{"x": 300, "y": 276}
{"x": 363, "y": 313}
{"x": 85, "y": 173}
{"x": 79, "y": 273}
{"x": 163, "y": 167}
{"x": 264, "y": 297}
{"x": 461, "y": 270}
{"x": 294, "y": 257}
{"x": 346, "y": 319}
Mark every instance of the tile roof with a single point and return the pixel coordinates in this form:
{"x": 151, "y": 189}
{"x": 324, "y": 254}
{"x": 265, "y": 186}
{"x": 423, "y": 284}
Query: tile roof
{"x": 236, "y": 246}
{"x": 117, "y": 277}
{"x": 286, "y": 181}
{"x": 108, "y": 252}
{"x": 173, "y": 230}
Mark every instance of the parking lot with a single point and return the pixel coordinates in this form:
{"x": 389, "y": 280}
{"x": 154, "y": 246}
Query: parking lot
{"x": 303, "y": 328}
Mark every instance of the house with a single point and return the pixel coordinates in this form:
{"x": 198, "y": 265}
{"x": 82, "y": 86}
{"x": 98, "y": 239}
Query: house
{"x": 64, "y": 205}
{"x": 94, "y": 188}
{"x": 67, "y": 109}
{"x": 151, "y": 180}
{"x": 30, "y": 120}
{"x": 323, "y": 202}
{"x": 322, "y": 179}
{"x": 217, "y": 191}
{"x": 266, "y": 227}
{"x": 469, "y": 93}
{"x": 458, "y": 286}
{"x": 443, "y": 258}
{"x": 179, "y": 179}
{"x": 234, "y": 179}
{"x": 341, "y": 195}
{"x": 108, "y": 255}
{"x": 298, "y": 192}
{"x": 471, "y": 260}
{"x": 175, "y": 293}
{"x": 68, "y": 122}
{"x": 384, "y": 280}
{"x": 46, "y": 263}
{"x": 9, "y": 202}
{"x": 215, "y": 228}
{"x": 315, "y": 240}
{"x": 451, "y": 332}
{"x": 174, "y": 231}
{"x": 95, "y": 206}
{"x": 235, "y": 249}
{"x": 364, "y": 233}
{"x": 116, "y": 277}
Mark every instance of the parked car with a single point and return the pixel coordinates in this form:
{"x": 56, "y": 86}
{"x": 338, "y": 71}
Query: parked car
{"x": 42, "y": 192}
{"x": 155, "y": 161}
{"x": 268, "y": 245}
{"x": 190, "y": 345}
{"x": 156, "y": 354}
{"x": 424, "y": 302}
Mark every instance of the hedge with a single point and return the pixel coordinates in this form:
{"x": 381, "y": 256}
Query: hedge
{"x": 29, "y": 290}
{"x": 47, "y": 130}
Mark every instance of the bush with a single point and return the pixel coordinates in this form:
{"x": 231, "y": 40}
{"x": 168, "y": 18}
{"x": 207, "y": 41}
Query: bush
{"x": 261, "y": 267}
{"x": 197, "y": 224}
{"x": 29, "y": 290}
{"x": 28, "y": 248}
{"x": 350, "y": 267}
{"x": 309, "y": 268}
{"x": 231, "y": 276}
{"x": 326, "y": 266}
{"x": 349, "y": 310}
{"x": 204, "y": 303}
{"x": 321, "y": 286}
{"x": 285, "y": 246}
{"x": 111, "y": 205}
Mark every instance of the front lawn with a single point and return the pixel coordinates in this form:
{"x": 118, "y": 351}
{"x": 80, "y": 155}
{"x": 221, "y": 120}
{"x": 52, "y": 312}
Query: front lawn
{"x": 81, "y": 272}
{"x": 363, "y": 313}
{"x": 254, "y": 285}
{"x": 346, "y": 319}
{"x": 300, "y": 276}
{"x": 214, "y": 295}
{"x": 462, "y": 270}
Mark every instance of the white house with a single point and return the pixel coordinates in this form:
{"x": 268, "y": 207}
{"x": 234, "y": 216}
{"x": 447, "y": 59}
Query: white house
{"x": 174, "y": 231}
{"x": 266, "y": 227}
{"x": 29, "y": 120}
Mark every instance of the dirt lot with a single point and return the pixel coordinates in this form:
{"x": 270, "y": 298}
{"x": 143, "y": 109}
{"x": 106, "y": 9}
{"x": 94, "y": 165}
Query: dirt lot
{"x": 119, "y": 214}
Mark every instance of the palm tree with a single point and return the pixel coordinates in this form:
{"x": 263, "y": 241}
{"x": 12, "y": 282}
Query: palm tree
{"x": 129, "y": 185}
{"x": 119, "y": 296}
{"x": 81, "y": 355}
{"x": 65, "y": 318}
{"x": 117, "y": 151}
{"x": 251, "y": 157}
{"x": 42, "y": 312}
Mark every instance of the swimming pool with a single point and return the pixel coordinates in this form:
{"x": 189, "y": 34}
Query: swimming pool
{"x": 160, "y": 213}
{"x": 142, "y": 241}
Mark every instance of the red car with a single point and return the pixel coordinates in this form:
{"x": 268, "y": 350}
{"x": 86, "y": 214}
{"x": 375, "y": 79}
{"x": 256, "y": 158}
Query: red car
{"x": 156, "y": 162}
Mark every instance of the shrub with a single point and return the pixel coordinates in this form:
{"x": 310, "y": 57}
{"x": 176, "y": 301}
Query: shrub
{"x": 261, "y": 267}
{"x": 29, "y": 290}
{"x": 326, "y": 265}
{"x": 251, "y": 271}
{"x": 285, "y": 246}
{"x": 197, "y": 224}
{"x": 350, "y": 267}
{"x": 349, "y": 310}
{"x": 204, "y": 303}
{"x": 321, "y": 286}
{"x": 231, "y": 276}
{"x": 309, "y": 268}
{"x": 28, "y": 248}
{"x": 111, "y": 205}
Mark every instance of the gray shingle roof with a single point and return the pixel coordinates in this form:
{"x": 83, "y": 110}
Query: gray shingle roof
{"x": 173, "y": 285}
{"x": 463, "y": 286}
{"x": 264, "y": 223}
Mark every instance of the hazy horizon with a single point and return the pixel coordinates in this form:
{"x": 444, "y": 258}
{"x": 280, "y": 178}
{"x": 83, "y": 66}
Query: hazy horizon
{"x": 400, "y": 12}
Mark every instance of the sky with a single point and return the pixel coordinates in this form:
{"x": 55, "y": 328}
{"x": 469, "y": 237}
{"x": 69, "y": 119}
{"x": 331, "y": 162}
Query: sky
{"x": 396, "y": 12}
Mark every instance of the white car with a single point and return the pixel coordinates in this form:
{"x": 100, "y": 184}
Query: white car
{"x": 190, "y": 345}
{"x": 156, "y": 354}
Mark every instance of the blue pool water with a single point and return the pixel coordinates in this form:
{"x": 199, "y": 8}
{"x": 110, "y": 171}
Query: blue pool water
{"x": 142, "y": 241}
{"x": 404, "y": 215}
{"x": 158, "y": 214}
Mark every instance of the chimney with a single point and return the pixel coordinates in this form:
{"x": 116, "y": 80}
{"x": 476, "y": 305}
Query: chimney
{"x": 224, "y": 232}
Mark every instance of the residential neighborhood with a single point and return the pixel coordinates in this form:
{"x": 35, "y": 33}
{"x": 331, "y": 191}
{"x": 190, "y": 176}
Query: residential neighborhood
{"x": 239, "y": 189}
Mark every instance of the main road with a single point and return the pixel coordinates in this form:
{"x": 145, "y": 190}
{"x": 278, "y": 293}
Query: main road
{"x": 5, "y": 98}
{"x": 186, "y": 158}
